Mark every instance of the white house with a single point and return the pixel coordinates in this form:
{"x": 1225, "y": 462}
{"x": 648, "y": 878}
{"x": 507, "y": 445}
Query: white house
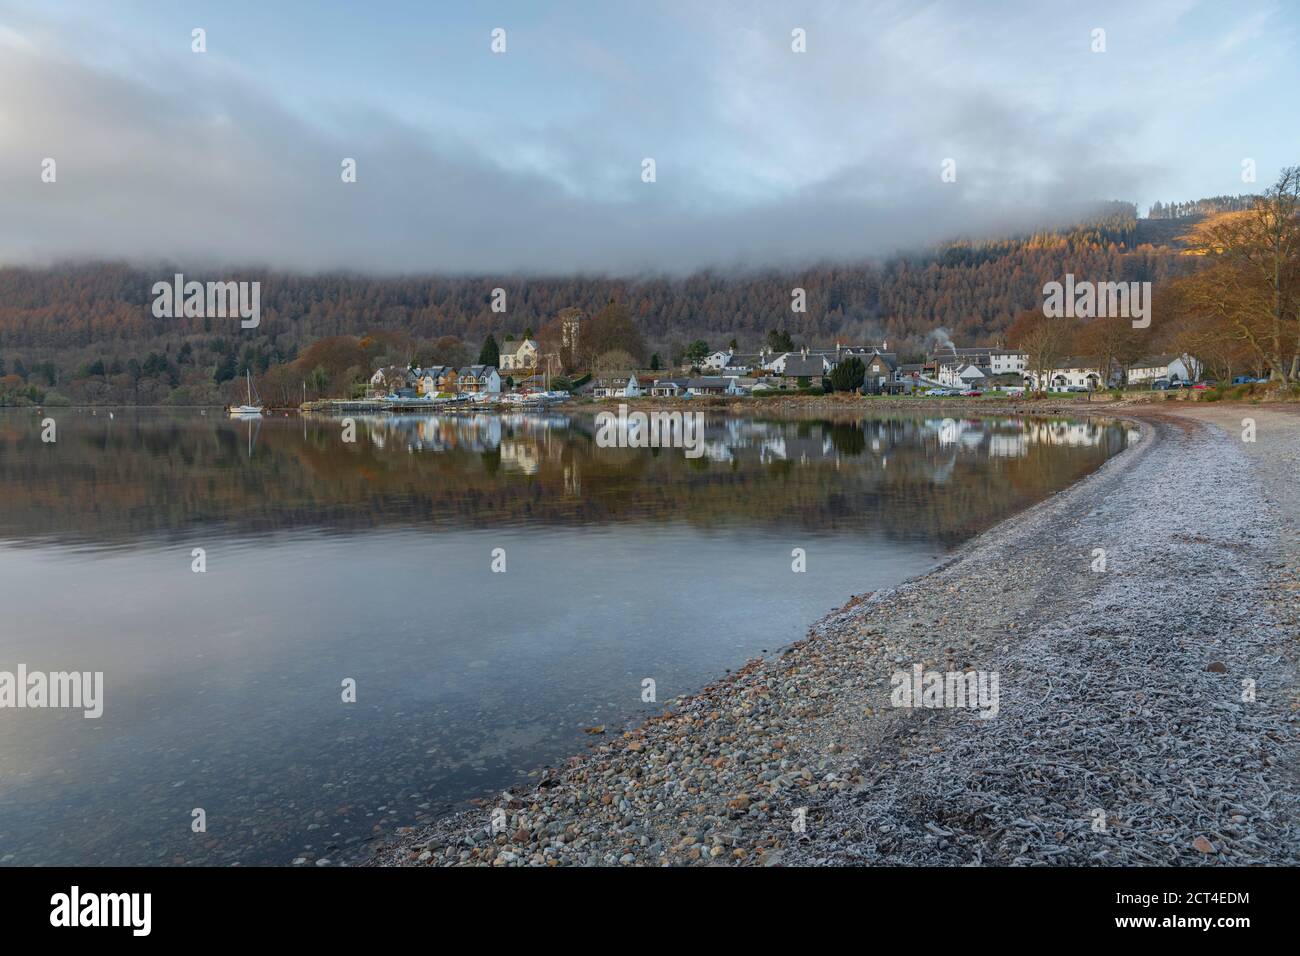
{"x": 742, "y": 365}
{"x": 1070, "y": 373}
{"x": 717, "y": 361}
{"x": 668, "y": 387}
{"x": 961, "y": 375}
{"x": 620, "y": 387}
{"x": 1173, "y": 367}
{"x": 998, "y": 361}
{"x": 519, "y": 356}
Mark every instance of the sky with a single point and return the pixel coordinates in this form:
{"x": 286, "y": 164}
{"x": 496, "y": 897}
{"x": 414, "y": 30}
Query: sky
{"x": 532, "y": 160}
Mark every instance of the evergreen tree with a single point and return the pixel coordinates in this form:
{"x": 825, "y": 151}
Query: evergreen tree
{"x": 697, "y": 350}
{"x": 780, "y": 341}
{"x": 225, "y": 368}
{"x": 848, "y": 375}
{"x": 490, "y": 354}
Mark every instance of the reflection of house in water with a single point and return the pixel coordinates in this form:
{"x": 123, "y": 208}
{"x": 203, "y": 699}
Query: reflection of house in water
{"x": 798, "y": 448}
{"x": 1014, "y": 445}
{"x": 524, "y": 438}
{"x": 522, "y": 455}
{"x": 436, "y": 432}
{"x": 951, "y": 432}
{"x": 717, "y": 451}
{"x": 1009, "y": 437}
{"x": 1073, "y": 434}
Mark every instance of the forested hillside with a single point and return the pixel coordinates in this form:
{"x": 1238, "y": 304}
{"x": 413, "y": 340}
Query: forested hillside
{"x": 87, "y": 331}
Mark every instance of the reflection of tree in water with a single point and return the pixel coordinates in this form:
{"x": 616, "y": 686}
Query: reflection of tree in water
{"x": 848, "y": 438}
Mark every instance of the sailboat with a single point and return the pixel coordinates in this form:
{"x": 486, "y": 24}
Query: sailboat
{"x": 250, "y": 408}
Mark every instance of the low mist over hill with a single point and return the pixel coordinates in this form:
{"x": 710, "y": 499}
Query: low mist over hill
{"x": 88, "y": 330}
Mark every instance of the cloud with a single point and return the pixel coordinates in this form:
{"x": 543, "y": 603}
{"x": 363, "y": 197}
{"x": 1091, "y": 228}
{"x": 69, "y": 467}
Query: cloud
{"x": 765, "y": 157}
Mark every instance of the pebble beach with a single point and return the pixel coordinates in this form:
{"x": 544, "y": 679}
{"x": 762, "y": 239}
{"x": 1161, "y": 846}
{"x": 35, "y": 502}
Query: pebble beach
{"x": 1147, "y": 709}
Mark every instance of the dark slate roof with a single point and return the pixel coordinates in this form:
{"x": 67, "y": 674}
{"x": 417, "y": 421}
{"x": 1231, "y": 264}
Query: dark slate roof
{"x": 797, "y": 365}
{"x": 889, "y": 359}
{"x": 1154, "y": 361}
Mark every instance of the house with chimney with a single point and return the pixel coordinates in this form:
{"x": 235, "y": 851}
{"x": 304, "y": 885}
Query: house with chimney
{"x": 880, "y": 369}
{"x": 992, "y": 360}
{"x": 811, "y": 367}
{"x": 1074, "y": 372}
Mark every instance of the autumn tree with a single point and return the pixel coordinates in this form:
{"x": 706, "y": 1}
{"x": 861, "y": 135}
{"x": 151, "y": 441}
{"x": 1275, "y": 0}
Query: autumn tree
{"x": 1252, "y": 283}
{"x": 616, "y": 363}
{"x": 1217, "y": 345}
{"x": 611, "y": 329}
{"x": 446, "y": 350}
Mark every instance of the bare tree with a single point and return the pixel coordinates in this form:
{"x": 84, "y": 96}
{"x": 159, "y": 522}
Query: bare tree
{"x": 1253, "y": 283}
{"x": 1045, "y": 342}
{"x": 615, "y": 363}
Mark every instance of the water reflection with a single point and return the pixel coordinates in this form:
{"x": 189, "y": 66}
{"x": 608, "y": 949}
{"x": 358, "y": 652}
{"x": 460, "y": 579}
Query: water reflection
{"x": 372, "y": 560}
{"x": 106, "y": 481}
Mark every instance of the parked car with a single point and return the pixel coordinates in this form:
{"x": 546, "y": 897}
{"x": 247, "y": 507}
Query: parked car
{"x": 1160, "y": 384}
{"x": 1076, "y": 388}
{"x": 972, "y": 393}
{"x": 1202, "y": 386}
{"x": 1015, "y": 390}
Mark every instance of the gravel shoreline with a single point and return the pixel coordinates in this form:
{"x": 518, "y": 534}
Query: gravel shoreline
{"x": 1121, "y": 737}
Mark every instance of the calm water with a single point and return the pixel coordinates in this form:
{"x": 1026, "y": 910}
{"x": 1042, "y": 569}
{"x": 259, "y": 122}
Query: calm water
{"x": 373, "y": 561}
